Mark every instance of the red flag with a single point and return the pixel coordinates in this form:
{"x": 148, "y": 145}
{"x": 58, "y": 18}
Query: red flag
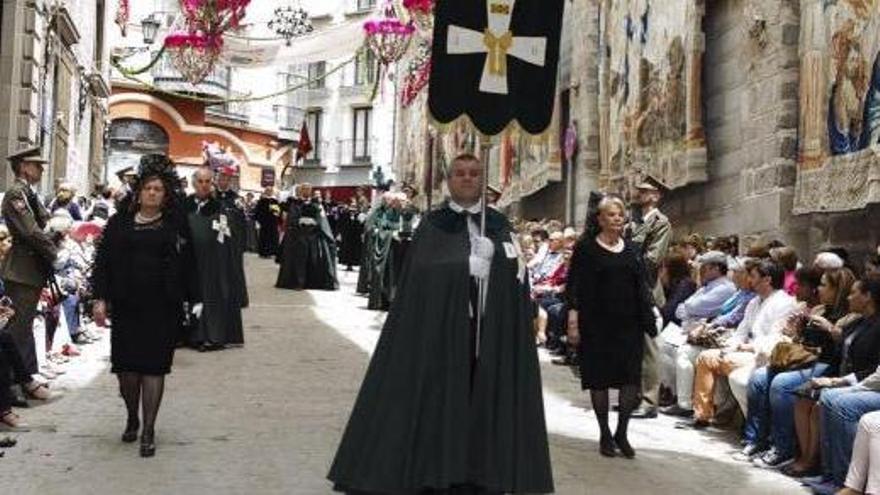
{"x": 305, "y": 143}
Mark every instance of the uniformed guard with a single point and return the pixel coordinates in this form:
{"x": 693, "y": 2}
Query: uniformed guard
{"x": 29, "y": 264}
{"x": 651, "y": 231}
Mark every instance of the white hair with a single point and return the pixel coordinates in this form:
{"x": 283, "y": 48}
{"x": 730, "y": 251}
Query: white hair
{"x": 828, "y": 261}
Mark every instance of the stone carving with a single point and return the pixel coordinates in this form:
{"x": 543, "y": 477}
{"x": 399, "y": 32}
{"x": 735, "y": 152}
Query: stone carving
{"x": 651, "y": 118}
{"x": 839, "y": 106}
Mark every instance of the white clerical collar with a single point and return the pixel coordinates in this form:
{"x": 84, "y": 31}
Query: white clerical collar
{"x": 473, "y": 210}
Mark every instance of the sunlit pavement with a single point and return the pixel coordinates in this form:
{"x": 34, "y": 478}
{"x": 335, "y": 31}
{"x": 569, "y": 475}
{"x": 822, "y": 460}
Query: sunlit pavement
{"x": 266, "y": 418}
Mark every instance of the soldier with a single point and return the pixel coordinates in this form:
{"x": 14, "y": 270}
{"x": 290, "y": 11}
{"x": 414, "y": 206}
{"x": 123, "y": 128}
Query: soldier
{"x": 651, "y": 231}
{"x": 29, "y": 263}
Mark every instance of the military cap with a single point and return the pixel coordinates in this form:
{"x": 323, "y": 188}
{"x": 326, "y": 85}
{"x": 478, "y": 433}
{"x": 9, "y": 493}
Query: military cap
{"x": 649, "y": 183}
{"x": 33, "y": 154}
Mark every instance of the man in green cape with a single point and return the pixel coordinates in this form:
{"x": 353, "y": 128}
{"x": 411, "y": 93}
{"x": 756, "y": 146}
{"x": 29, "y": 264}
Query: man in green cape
{"x": 440, "y": 411}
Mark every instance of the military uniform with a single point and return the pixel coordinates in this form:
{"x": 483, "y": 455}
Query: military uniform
{"x": 28, "y": 265}
{"x": 651, "y": 233}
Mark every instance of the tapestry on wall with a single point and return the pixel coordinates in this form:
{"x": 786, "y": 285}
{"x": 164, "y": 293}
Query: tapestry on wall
{"x": 839, "y": 105}
{"x": 650, "y": 83}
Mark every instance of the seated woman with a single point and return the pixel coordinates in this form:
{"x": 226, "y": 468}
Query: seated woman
{"x": 864, "y": 467}
{"x": 859, "y": 356}
{"x": 771, "y": 392}
{"x": 678, "y": 285}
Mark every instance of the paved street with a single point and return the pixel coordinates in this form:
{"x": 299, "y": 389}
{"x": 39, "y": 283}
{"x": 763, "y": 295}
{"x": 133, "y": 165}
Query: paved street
{"x": 267, "y": 418}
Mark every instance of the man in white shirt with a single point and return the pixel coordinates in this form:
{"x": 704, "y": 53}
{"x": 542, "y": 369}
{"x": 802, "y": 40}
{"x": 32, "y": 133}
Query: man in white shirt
{"x": 750, "y": 346}
{"x": 703, "y": 305}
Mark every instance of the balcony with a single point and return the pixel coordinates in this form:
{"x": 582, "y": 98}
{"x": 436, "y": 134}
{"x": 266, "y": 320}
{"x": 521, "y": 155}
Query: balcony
{"x": 166, "y": 77}
{"x": 360, "y": 7}
{"x": 233, "y": 112}
{"x": 289, "y": 119}
{"x": 342, "y": 163}
{"x": 355, "y": 152}
{"x": 318, "y": 156}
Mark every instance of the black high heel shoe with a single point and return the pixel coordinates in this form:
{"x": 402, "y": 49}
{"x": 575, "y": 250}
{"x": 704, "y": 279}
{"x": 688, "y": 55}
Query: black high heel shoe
{"x": 606, "y": 447}
{"x": 148, "y": 445}
{"x": 131, "y": 431}
{"x": 625, "y": 448}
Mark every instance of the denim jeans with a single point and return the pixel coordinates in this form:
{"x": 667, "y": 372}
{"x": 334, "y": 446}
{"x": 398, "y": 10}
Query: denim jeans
{"x": 771, "y": 401}
{"x": 70, "y": 312}
{"x": 839, "y": 411}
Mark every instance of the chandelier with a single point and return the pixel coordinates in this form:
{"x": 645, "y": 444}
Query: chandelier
{"x": 289, "y": 22}
{"x": 193, "y": 54}
{"x": 422, "y": 13}
{"x": 196, "y": 45}
{"x": 388, "y": 37}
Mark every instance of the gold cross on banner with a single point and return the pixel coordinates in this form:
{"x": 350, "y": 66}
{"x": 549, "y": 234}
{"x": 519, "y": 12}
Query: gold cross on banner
{"x": 498, "y": 42}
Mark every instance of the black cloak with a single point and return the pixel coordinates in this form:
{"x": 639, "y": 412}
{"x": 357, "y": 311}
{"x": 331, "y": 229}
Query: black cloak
{"x": 222, "y": 294}
{"x": 234, "y": 211}
{"x": 267, "y": 213}
{"x": 419, "y": 422}
{"x": 351, "y": 230}
{"x": 382, "y": 276}
{"x": 366, "y": 269}
{"x": 308, "y": 252}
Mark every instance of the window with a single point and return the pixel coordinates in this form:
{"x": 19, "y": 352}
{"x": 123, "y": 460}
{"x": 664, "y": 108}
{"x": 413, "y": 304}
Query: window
{"x": 365, "y": 68}
{"x": 361, "y": 135}
{"x": 317, "y": 71}
{"x": 313, "y": 122}
{"x": 365, "y": 4}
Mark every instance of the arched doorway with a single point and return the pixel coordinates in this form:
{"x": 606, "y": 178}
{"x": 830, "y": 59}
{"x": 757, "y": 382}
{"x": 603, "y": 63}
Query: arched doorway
{"x": 130, "y": 139}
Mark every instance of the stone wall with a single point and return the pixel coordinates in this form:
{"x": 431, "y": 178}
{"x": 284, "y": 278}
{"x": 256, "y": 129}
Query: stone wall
{"x": 584, "y": 103}
{"x": 750, "y": 104}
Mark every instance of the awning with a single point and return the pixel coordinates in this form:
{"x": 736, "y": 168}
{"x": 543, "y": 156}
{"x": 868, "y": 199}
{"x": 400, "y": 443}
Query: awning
{"x": 330, "y": 43}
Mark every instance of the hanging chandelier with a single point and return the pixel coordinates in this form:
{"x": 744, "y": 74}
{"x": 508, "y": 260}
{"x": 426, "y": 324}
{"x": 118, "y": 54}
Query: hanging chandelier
{"x": 388, "y": 37}
{"x": 291, "y": 22}
{"x": 422, "y": 13}
{"x": 195, "y": 45}
{"x": 194, "y": 55}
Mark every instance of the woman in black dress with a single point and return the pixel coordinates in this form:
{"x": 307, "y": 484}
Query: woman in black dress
{"x": 144, "y": 271}
{"x": 351, "y": 227}
{"x": 610, "y": 310}
{"x": 267, "y": 213}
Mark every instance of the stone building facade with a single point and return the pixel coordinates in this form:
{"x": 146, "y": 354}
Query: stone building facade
{"x": 54, "y": 74}
{"x": 762, "y": 117}
{"x": 754, "y": 92}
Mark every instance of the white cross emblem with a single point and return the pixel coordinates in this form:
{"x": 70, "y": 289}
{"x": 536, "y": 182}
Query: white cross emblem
{"x": 497, "y": 42}
{"x": 222, "y": 228}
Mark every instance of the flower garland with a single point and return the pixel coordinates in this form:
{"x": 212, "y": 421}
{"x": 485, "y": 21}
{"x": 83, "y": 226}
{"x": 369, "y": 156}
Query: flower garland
{"x": 422, "y": 12}
{"x": 123, "y": 13}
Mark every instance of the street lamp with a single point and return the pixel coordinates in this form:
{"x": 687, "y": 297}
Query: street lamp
{"x": 150, "y": 27}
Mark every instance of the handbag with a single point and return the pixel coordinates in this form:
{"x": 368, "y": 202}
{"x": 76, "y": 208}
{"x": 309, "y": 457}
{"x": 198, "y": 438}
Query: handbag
{"x": 788, "y": 356}
{"x": 708, "y": 336}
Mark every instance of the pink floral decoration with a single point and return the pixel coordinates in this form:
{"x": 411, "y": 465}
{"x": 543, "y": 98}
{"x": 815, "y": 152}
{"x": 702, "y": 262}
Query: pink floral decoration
{"x": 425, "y": 6}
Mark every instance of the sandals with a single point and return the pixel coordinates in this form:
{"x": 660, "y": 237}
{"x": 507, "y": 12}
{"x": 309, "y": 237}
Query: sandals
{"x": 12, "y": 420}
{"x": 38, "y": 392}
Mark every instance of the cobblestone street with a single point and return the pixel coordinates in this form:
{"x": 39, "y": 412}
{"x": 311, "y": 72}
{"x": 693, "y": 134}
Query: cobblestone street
{"x": 267, "y": 418}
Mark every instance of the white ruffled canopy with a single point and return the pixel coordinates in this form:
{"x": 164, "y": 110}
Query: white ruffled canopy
{"x": 329, "y": 43}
